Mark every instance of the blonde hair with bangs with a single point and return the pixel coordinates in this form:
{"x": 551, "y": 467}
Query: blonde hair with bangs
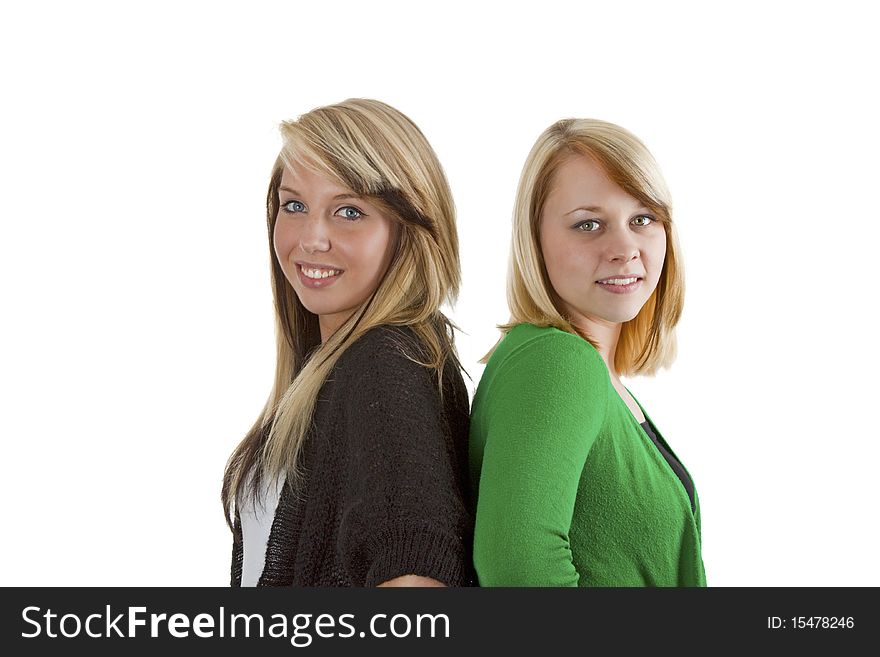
{"x": 647, "y": 342}
{"x": 380, "y": 154}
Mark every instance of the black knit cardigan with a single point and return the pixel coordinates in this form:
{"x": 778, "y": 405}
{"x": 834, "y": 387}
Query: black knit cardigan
{"x": 385, "y": 487}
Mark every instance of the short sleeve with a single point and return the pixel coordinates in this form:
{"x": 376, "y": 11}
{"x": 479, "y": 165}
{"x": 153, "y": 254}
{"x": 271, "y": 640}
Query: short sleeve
{"x": 547, "y": 406}
{"x": 404, "y": 509}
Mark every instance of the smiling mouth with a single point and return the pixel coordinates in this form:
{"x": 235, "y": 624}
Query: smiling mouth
{"x": 629, "y": 280}
{"x": 316, "y": 273}
{"x": 621, "y": 284}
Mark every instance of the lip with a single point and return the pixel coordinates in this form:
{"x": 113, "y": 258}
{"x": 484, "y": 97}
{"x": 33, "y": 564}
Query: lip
{"x": 620, "y": 289}
{"x": 611, "y": 278}
{"x": 316, "y": 283}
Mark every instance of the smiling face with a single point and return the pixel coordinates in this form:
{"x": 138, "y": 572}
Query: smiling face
{"x": 333, "y": 245}
{"x": 603, "y": 249}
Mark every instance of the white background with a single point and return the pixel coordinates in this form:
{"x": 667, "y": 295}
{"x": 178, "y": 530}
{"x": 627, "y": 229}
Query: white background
{"x": 137, "y": 335}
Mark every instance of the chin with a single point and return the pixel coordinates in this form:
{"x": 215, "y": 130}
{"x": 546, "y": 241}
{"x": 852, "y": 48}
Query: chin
{"x": 326, "y": 306}
{"x": 618, "y": 319}
{"x": 620, "y": 315}
{"x": 316, "y": 308}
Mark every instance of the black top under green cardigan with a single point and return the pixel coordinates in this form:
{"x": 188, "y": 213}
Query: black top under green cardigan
{"x": 385, "y": 486}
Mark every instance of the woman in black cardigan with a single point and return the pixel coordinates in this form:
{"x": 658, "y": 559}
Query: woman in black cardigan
{"x": 355, "y": 472}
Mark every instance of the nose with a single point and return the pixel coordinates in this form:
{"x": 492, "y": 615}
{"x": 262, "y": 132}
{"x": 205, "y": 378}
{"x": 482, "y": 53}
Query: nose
{"x": 314, "y": 237}
{"x": 622, "y": 246}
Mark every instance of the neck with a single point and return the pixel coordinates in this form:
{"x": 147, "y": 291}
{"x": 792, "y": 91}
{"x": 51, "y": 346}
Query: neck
{"x": 604, "y": 335}
{"x": 328, "y": 326}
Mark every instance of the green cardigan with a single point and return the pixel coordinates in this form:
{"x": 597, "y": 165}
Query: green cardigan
{"x": 571, "y": 490}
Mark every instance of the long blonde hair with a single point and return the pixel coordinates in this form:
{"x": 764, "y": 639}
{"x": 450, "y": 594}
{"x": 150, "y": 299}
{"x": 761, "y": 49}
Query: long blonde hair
{"x": 380, "y": 154}
{"x": 646, "y": 342}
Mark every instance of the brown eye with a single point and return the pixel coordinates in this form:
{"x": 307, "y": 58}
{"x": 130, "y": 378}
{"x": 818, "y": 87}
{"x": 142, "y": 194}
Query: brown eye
{"x": 643, "y": 220}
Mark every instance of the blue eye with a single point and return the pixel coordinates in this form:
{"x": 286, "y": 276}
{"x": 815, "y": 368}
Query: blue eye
{"x": 588, "y": 226}
{"x": 350, "y": 212}
{"x": 648, "y": 220}
{"x": 294, "y": 206}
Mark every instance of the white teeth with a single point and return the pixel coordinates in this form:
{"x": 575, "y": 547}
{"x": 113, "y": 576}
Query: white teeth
{"x": 320, "y": 273}
{"x": 619, "y": 281}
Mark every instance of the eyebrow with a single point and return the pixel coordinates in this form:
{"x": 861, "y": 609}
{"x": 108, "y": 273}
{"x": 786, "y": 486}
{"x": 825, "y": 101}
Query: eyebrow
{"x": 599, "y": 209}
{"x": 335, "y": 198}
{"x": 589, "y": 208}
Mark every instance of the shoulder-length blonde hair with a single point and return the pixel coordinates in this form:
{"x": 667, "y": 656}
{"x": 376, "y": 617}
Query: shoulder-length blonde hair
{"x": 647, "y": 342}
{"x": 380, "y": 154}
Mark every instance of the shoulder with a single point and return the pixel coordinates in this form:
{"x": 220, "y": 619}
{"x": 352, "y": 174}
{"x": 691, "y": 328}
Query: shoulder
{"x": 542, "y": 370}
{"x": 385, "y": 361}
{"x": 385, "y": 339}
{"x": 544, "y": 352}
{"x": 392, "y": 404}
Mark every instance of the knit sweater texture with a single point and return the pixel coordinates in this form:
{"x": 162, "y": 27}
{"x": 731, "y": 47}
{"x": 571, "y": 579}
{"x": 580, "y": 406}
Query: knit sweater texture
{"x": 385, "y": 487}
{"x": 571, "y": 491}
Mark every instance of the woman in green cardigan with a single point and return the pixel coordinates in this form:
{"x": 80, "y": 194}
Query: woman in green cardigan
{"x": 575, "y": 485}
